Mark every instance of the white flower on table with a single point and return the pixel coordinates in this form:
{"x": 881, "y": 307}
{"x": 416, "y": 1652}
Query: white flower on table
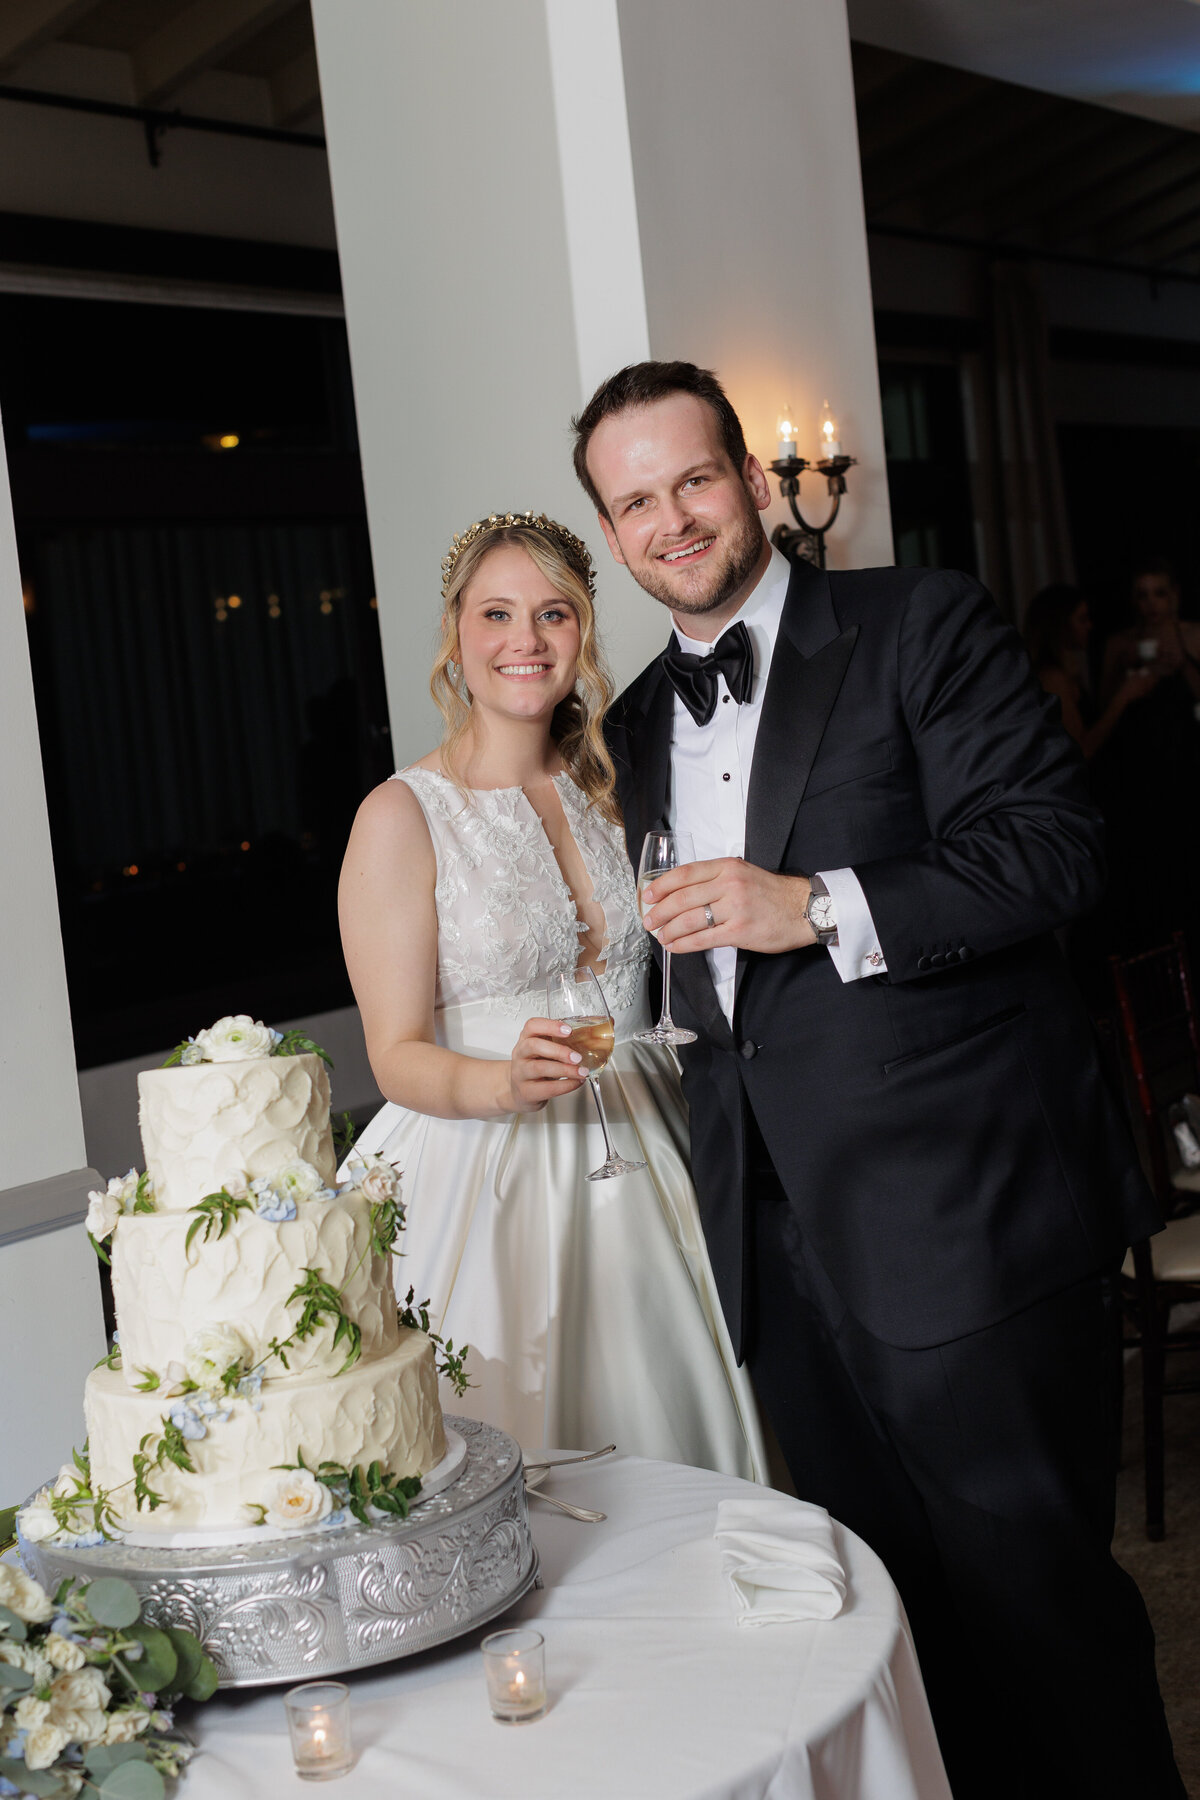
{"x": 209, "y": 1352}
{"x": 78, "y": 1703}
{"x": 30, "y": 1712}
{"x": 63, "y": 1654}
{"x": 236, "y": 1037}
{"x": 45, "y": 1743}
{"x": 296, "y": 1500}
{"x": 123, "y": 1727}
{"x": 24, "y": 1596}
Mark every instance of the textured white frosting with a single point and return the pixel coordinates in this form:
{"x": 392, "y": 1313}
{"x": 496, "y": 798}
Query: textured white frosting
{"x": 243, "y": 1279}
{"x": 201, "y": 1123}
{"x": 385, "y": 1409}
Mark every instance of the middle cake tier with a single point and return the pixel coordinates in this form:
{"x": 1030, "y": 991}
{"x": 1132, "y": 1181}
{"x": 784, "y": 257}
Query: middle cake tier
{"x": 166, "y": 1292}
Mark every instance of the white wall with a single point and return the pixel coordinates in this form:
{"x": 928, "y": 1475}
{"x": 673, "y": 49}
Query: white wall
{"x": 521, "y": 210}
{"x": 749, "y": 196}
{"x": 51, "y": 1330}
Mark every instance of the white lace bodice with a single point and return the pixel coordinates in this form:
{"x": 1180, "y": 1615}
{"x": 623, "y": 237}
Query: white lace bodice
{"x": 506, "y": 919}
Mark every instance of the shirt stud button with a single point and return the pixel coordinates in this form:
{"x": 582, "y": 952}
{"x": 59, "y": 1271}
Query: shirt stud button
{"x": 724, "y": 699}
{"x": 724, "y": 778}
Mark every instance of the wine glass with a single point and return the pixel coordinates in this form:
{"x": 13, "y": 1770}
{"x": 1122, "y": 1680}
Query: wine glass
{"x": 578, "y": 999}
{"x": 661, "y": 851}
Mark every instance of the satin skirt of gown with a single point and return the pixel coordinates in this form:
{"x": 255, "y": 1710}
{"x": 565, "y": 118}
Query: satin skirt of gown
{"x": 589, "y": 1306}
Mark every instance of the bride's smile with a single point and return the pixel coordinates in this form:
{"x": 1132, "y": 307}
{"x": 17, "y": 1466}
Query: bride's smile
{"x": 518, "y": 639}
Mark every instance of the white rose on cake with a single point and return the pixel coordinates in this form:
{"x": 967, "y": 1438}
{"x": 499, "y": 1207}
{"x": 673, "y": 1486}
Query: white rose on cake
{"x": 300, "y": 1182}
{"x": 296, "y": 1499}
{"x": 103, "y": 1212}
{"x": 374, "y": 1177}
{"x": 212, "y": 1350}
{"x": 235, "y": 1038}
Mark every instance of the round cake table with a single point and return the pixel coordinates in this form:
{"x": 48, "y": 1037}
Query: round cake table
{"x": 655, "y": 1693}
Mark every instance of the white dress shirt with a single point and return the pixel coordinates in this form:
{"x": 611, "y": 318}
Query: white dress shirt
{"x": 710, "y": 776}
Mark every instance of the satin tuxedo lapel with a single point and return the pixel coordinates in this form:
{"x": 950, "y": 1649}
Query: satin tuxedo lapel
{"x": 807, "y": 668}
{"x": 650, "y": 754}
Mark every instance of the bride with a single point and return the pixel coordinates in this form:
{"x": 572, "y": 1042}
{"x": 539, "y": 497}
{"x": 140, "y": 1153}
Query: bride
{"x": 494, "y": 863}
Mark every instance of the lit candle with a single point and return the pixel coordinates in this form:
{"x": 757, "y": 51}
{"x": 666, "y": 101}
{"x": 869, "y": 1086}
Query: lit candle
{"x": 318, "y": 1717}
{"x": 785, "y": 432}
{"x": 514, "y": 1663}
{"x": 830, "y": 443}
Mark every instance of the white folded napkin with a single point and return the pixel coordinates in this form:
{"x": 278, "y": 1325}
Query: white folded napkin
{"x": 778, "y": 1554}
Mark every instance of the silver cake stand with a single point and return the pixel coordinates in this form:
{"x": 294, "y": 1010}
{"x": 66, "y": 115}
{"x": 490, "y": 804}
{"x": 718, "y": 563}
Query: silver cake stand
{"x": 336, "y": 1600}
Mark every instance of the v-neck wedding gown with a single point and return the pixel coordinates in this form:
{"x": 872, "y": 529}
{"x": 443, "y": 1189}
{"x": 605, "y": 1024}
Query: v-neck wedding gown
{"x": 589, "y": 1306}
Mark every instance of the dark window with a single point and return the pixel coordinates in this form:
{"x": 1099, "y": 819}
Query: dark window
{"x": 928, "y": 479}
{"x": 205, "y": 650}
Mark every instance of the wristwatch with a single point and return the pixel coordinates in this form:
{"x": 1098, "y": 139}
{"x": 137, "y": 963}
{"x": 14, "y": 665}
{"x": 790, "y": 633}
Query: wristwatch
{"x": 821, "y": 912}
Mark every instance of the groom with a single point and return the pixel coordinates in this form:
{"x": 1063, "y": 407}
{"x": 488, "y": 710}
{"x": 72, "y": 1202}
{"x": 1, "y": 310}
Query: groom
{"x": 915, "y": 1188}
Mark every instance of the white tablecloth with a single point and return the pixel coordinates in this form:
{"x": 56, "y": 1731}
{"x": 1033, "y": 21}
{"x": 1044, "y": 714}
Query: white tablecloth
{"x": 655, "y": 1694}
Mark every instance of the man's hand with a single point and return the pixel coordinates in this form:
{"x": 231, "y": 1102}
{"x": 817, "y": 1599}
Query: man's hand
{"x": 753, "y": 909}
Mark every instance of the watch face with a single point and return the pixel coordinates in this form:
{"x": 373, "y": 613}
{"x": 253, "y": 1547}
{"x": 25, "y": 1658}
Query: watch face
{"x": 820, "y": 912}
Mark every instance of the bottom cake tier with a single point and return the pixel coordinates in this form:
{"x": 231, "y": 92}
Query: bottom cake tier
{"x": 385, "y": 1410}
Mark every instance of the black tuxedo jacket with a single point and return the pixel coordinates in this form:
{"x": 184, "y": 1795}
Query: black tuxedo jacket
{"x": 943, "y": 1130}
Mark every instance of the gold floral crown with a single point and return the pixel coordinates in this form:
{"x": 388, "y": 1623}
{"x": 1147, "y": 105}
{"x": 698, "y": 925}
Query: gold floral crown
{"x": 575, "y": 547}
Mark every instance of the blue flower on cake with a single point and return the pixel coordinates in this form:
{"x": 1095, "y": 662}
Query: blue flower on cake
{"x": 268, "y": 1204}
{"x": 186, "y": 1418}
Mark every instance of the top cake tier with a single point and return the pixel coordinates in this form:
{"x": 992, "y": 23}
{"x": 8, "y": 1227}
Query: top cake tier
{"x": 206, "y": 1123}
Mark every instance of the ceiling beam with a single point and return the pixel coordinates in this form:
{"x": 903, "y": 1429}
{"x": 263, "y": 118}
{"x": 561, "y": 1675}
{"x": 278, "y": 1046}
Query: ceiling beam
{"x": 194, "y": 40}
{"x": 295, "y": 88}
{"x": 25, "y": 25}
{"x": 1159, "y": 208}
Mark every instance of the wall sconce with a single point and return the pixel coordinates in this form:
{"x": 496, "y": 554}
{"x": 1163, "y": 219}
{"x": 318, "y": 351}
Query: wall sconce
{"x": 808, "y": 540}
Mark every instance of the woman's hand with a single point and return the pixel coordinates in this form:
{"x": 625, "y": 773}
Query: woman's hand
{"x": 543, "y": 1065}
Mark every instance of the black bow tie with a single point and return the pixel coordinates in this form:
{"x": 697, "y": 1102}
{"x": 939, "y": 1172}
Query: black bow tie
{"x": 694, "y": 678}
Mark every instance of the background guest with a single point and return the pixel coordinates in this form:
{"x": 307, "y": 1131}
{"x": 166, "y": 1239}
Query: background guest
{"x": 1058, "y": 626}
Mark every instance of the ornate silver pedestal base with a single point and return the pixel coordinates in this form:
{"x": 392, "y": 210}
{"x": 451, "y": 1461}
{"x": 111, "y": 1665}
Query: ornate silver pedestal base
{"x": 320, "y": 1604}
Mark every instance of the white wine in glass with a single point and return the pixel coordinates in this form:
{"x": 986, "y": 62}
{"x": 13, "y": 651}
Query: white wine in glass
{"x": 578, "y": 1000}
{"x": 661, "y": 851}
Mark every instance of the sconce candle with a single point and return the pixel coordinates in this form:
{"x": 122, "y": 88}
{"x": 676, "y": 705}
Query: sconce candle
{"x": 785, "y": 433}
{"x": 318, "y": 1715}
{"x": 515, "y": 1665}
{"x": 830, "y": 443}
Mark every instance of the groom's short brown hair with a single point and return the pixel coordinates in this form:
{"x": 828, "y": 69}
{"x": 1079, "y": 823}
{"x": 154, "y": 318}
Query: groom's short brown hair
{"x": 641, "y": 384}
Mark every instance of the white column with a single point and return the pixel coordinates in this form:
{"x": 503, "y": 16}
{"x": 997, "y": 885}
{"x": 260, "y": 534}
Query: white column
{"x": 528, "y": 197}
{"x": 51, "y": 1327}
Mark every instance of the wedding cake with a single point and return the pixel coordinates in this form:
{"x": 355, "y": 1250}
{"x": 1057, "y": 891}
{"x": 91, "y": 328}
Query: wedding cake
{"x": 261, "y": 1374}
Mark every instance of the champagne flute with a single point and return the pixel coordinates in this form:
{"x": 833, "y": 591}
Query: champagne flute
{"x": 661, "y": 851}
{"x": 578, "y": 1000}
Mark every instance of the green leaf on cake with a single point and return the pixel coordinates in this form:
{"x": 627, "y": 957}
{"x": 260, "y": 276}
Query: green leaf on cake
{"x": 101, "y": 1252}
{"x": 216, "y": 1212}
{"x": 295, "y": 1043}
{"x": 149, "y": 1382}
{"x": 113, "y": 1602}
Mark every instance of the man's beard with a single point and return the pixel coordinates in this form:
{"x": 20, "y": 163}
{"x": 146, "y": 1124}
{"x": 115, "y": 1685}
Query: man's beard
{"x": 742, "y": 549}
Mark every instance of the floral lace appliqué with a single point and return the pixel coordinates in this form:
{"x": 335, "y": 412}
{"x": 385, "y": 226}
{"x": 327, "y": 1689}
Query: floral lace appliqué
{"x": 506, "y": 919}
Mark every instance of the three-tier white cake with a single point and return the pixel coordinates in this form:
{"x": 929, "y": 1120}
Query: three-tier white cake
{"x": 259, "y": 1342}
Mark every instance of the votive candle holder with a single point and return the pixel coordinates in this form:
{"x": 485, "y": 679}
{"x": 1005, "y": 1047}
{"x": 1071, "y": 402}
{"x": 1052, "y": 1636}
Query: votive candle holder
{"x": 515, "y": 1665}
{"x": 318, "y": 1715}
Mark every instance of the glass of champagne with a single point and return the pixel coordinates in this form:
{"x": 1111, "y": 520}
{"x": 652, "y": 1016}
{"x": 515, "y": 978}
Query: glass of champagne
{"x": 661, "y": 851}
{"x": 578, "y": 1000}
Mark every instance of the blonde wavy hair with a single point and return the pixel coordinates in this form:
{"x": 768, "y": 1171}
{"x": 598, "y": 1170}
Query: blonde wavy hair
{"x": 577, "y": 727}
